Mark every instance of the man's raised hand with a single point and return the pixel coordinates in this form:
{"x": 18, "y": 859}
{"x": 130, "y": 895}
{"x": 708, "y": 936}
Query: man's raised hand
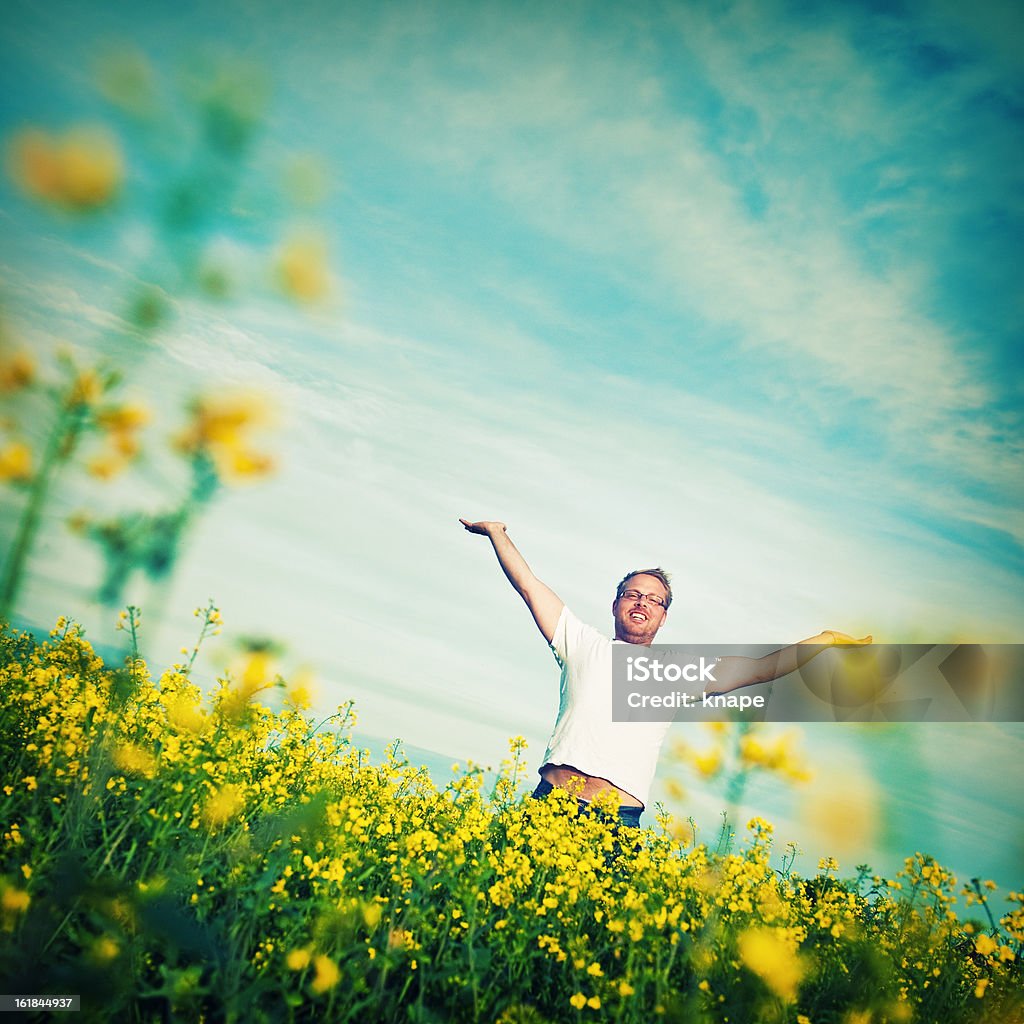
{"x": 486, "y": 528}
{"x": 845, "y": 640}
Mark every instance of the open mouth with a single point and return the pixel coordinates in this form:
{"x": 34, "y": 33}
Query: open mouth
{"x": 637, "y": 617}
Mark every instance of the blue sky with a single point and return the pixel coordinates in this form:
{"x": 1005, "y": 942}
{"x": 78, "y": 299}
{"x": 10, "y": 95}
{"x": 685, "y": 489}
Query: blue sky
{"x": 731, "y": 288}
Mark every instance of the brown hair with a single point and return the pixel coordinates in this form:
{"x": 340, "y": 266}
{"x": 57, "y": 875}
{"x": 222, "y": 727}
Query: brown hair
{"x": 659, "y": 574}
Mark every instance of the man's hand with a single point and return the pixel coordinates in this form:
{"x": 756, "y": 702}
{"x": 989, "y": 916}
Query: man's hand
{"x": 838, "y": 639}
{"x": 485, "y": 528}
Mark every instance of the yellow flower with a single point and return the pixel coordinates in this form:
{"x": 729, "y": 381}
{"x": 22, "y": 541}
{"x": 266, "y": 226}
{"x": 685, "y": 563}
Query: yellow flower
{"x": 765, "y": 952}
{"x": 16, "y": 371}
{"x": 673, "y": 790}
{"x": 106, "y": 466}
{"x": 399, "y": 938}
{"x": 131, "y": 758}
{"x": 985, "y": 944}
{"x": 16, "y": 461}
{"x": 220, "y": 427}
{"x": 302, "y": 268}
{"x": 578, "y": 1001}
{"x": 86, "y": 389}
{"x": 327, "y": 974}
{"x": 625, "y": 989}
{"x": 979, "y": 989}
{"x": 123, "y": 418}
{"x": 81, "y": 169}
{"x": 302, "y": 688}
{"x": 223, "y": 804}
{"x": 297, "y": 959}
{"x": 594, "y": 1003}
{"x": 105, "y": 949}
{"x": 843, "y": 812}
{"x": 15, "y": 900}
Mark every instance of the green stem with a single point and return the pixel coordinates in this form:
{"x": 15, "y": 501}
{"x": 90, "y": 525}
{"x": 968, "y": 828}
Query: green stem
{"x": 32, "y": 515}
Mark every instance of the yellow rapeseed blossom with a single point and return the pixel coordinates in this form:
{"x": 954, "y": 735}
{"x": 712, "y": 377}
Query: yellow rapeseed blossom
{"x": 773, "y": 959}
{"x": 399, "y": 938}
{"x": 81, "y": 169}
{"x": 15, "y": 900}
{"x": 858, "y": 1017}
{"x": 15, "y": 461}
{"x": 121, "y": 424}
{"x": 86, "y": 389}
{"x": 13, "y": 903}
{"x": 223, "y": 804}
{"x": 302, "y": 269}
{"x": 298, "y": 959}
{"x": 302, "y": 689}
{"x": 104, "y": 949}
{"x": 221, "y": 427}
{"x": 130, "y": 757}
{"x": 370, "y": 864}
{"x": 327, "y": 974}
{"x": 17, "y": 370}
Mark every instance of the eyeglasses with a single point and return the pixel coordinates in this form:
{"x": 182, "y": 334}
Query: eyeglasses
{"x": 635, "y": 595}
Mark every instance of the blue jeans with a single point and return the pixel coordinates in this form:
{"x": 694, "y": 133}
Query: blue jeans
{"x": 629, "y": 817}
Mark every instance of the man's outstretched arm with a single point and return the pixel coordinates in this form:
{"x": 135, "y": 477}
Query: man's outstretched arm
{"x": 733, "y": 672}
{"x": 544, "y": 604}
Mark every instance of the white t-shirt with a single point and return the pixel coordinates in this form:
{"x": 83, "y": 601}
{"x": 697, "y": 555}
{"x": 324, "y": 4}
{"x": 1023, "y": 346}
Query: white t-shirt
{"x": 585, "y": 737}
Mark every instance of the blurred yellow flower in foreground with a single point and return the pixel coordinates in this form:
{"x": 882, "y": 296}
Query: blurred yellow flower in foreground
{"x": 104, "y": 949}
{"x": 774, "y": 960}
{"x": 327, "y": 974}
{"x": 223, "y": 804}
{"x": 220, "y": 426}
{"x": 119, "y": 419}
{"x": 15, "y": 461}
{"x": 81, "y": 169}
{"x": 17, "y": 371}
{"x": 302, "y": 269}
{"x": 13, "y": 902}
{"x": 132, "y": 758}
{"x": 87, "y": 389}
{"x": 298, "y": 959}
{"x": 842, "y": 812}
{"x": 302, "y": 689}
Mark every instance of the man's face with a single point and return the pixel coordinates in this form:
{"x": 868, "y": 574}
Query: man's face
{"x": 637, "y": 619}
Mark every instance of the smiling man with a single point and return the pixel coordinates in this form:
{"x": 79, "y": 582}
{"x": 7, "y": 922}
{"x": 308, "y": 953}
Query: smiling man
{"x": 588, "y": 752}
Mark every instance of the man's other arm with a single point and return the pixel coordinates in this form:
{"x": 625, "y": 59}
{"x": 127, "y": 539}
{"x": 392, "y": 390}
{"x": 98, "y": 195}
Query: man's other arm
{"x": 733, "y": 672}
{"x": 544, "y": 604}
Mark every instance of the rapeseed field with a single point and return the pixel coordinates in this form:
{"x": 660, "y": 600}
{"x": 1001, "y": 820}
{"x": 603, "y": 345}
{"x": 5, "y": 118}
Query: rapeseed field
{"x": 174, "y": 855}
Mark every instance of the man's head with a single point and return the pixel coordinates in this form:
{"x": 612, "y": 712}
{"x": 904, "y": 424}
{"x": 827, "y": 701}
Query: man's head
{"x": 641, "y": 603}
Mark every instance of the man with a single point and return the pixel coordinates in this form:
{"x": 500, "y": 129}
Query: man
{"x": 588, "y": 752}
